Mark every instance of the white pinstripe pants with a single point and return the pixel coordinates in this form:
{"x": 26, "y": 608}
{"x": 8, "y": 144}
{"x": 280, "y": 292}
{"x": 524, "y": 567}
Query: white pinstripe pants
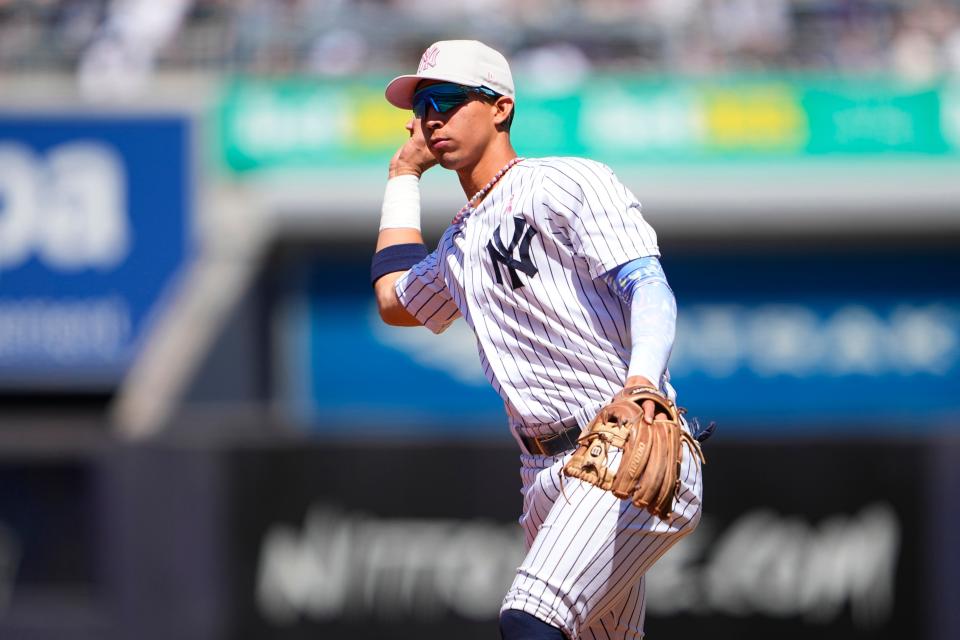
{"x": 588, "y": 551}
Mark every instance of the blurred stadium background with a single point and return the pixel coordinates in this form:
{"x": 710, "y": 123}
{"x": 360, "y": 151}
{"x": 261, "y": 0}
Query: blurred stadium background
{"x": 205, "y": 433}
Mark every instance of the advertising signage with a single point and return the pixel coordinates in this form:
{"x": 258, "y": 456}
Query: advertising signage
{"x": 95, "y": 216}
{"x": 766, "y": 344}
{"x": 326, "y": 555}
{"x": 303, "y": 123}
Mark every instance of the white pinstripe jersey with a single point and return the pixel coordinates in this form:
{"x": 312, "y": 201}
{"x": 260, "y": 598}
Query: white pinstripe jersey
{"x": 522, "y": 270}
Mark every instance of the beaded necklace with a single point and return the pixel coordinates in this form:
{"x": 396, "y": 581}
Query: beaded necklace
{"x": 467, "y": 209}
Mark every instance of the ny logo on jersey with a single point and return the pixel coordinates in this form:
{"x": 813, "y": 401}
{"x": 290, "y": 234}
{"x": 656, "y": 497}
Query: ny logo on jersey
{"x": 503, "y": 256}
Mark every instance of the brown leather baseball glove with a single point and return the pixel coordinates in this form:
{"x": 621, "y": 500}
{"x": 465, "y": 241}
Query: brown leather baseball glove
{"x": 649, "y": 470}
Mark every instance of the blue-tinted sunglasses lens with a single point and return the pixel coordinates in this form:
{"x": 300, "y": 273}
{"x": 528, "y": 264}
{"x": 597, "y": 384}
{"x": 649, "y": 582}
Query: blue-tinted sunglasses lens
{"x": 441, "y": 97}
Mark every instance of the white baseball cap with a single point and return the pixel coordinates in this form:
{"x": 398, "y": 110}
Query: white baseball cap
{"x": 467, "y": 62}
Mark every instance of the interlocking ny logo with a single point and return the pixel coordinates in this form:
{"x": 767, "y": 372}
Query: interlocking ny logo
{"x": 522, "y": 236}
{"x": 429, "y": 59}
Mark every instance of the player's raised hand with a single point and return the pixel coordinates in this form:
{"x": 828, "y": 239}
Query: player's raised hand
{"x": 413, "y": 157}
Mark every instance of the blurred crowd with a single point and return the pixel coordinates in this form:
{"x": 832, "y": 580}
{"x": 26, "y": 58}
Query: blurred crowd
{"x": 918, "y": 39}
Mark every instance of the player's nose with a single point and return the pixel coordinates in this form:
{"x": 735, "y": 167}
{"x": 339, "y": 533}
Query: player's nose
{"x": 433, "y": 119}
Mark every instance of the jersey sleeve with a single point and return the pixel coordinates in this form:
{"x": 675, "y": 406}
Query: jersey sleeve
{"x": 424, "y": 294}
{"x": 599, "y": 215}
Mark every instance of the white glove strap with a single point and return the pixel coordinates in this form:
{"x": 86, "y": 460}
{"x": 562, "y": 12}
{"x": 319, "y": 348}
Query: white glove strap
{"x": 401, "y": 203}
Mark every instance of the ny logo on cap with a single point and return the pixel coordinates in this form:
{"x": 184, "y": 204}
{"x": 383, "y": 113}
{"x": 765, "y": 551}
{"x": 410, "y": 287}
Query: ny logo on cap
{"x": 429, "y": 59}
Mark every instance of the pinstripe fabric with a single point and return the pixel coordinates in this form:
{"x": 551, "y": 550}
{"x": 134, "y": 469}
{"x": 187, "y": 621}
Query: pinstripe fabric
{"x": 557, "y": 347}
{"x": 588, "y": 551}
{"x": 523, "y": 271}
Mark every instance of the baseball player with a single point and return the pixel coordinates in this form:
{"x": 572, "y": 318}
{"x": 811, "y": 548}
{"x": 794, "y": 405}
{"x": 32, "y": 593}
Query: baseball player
{"x": 557, "y": 273}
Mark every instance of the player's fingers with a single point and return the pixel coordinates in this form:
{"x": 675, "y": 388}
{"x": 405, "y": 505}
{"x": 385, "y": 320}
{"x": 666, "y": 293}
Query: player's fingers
{"x": 413, "y": 126}
{"x": 661, "y": 416}
{"x": 648, "y": 410}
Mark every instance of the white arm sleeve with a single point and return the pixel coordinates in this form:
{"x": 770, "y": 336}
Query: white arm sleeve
{"x": 653, "y": 321}
{"x": 642, "y": 284}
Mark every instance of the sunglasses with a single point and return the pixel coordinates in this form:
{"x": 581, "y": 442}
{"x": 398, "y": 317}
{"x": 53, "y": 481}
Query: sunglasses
{"x": 446, "y": 96}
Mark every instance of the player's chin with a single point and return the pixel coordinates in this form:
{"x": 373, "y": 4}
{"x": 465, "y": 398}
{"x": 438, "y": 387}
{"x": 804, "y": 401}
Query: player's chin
{"x": 448, "y": 160}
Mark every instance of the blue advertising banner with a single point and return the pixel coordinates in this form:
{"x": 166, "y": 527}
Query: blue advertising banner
{"x": 847, "y": 339}
{"x": 765, "y": 344}
{"x": 95, "y": 215}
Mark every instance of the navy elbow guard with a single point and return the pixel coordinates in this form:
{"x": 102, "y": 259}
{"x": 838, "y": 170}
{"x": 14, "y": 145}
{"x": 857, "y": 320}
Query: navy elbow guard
{"x": 397, "y": 257}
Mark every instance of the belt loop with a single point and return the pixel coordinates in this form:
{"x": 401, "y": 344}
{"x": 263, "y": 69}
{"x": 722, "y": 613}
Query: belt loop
{"x": 571, "y": 441}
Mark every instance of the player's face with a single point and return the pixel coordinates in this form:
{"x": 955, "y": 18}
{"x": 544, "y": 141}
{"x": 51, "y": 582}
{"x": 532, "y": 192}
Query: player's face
{"x": 458, "y": 136}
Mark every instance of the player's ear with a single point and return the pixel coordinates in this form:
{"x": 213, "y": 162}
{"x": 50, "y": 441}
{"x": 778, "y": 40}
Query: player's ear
{"x": 504, "y": 115}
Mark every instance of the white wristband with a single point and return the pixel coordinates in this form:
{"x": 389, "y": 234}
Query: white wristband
{"x": 401, "y": 203}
